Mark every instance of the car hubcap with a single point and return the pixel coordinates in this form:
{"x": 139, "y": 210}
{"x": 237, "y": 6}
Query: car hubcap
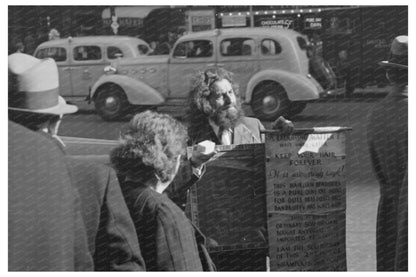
{"x": 111, "y": 104}
{"x": 270, "y": 104}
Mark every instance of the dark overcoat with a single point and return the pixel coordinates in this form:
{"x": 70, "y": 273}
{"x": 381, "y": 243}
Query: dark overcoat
{"x": 388, "y": 144}
{"x": 168, "y": 240}
{"x": 46, "y": 231}
{"x": 111, "y": 234}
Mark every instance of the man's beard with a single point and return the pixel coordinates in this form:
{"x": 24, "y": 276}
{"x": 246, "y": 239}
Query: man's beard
{"x": 227, "y": 118}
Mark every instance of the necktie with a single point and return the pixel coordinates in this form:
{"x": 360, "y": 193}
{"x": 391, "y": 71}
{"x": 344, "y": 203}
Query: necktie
{"x": 225, "y": 136}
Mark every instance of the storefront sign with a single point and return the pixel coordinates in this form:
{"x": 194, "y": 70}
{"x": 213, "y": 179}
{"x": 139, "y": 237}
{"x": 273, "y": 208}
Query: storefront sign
{"x": 306, "y": 202}
{"x": 200, "y": 20}
{"x": 234, "y": 21}
{"x": 125, "y": 22}
{"x": 284, "y": 23}
{"x": 313, "y": 23}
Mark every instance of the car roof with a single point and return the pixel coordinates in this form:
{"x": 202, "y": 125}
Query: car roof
{"x": 89, "y": 39}
{"x": 242, "y": 32}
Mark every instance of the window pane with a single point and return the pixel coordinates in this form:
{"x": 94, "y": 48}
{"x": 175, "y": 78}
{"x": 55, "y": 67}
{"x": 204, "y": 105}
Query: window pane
{"x": 237, "y": 47}
{"x": 194, "y": 49}
{"x": 143, "y": 49}
{"x": 87, "y": 53}
{"x": 56, "y": 53}
{"x": 270, "y": 47}
{"x": 114, "y": 52}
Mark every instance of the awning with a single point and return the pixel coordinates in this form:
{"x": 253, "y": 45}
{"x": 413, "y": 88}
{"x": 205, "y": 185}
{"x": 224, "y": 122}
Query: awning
{"x": 129, "y": 12}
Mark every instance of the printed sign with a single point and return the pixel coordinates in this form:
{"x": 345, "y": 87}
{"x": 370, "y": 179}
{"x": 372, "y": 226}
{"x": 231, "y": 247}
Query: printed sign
{"x": 306, "y": 202}
{"x": 313, "y": 23}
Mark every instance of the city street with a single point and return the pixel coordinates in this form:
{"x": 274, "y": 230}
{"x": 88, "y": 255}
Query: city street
{"x": 362, "y": 187}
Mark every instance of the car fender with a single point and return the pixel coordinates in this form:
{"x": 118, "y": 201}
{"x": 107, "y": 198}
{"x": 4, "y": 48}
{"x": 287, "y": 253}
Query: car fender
{"x": 137, "y": 92}
{"x": 298, "y": 87}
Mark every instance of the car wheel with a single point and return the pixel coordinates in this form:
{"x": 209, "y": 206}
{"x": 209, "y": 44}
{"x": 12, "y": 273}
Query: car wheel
{"x": 111, "y": 103}
{"x": 270, "y": 101}
{"x": 297, "y": 107}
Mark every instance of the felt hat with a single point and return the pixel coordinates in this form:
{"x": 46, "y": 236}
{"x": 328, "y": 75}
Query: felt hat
{"x": 398, "y": 57}
{"x": 34, "y": 86}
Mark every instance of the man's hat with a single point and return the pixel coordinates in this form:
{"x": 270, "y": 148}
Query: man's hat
{"x": 34, "y": 86}
{"x": 398, "y": 54}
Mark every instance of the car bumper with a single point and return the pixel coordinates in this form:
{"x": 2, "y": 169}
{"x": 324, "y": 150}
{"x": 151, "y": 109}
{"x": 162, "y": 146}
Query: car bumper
{"x": 332, "y": 92}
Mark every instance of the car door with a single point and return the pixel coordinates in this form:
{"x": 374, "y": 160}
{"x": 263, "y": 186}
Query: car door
{"x": 187, "y": 58}
{"x": 88, "y": 65}
{"x": 239, "y": 55}
{"x": 61, "y": 55}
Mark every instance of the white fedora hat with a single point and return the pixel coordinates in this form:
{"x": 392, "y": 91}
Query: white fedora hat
{"x": 34, "y": 86}
{"x": 398, "y": 57}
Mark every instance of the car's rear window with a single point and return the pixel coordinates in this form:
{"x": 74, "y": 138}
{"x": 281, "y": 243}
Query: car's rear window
{"x": 194, "y": 49}
{"x": 114, "y": 52}
{"x": 303, "y": 44}
{"x": 270, "y": 47}
{"x": 56, "y": 53}
{"x": 143, "y": 49}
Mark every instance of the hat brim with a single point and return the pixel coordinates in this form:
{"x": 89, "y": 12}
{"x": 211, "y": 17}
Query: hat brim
{"x": 61, "y": 108}
{"x": 390, "y": 64}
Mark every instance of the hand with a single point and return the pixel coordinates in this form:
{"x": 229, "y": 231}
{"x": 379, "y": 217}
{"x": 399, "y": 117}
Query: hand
{"x": 199, "y": 157}
{"x": 283, "y": 125}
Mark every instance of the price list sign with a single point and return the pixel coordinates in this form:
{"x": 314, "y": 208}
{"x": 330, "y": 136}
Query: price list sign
{"x": 306, "y": 201}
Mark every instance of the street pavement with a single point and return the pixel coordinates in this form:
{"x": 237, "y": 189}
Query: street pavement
{"x": 362, "y": 187}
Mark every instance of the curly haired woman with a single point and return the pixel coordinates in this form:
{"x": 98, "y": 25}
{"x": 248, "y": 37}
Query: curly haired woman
{"x": 147, "y": 160}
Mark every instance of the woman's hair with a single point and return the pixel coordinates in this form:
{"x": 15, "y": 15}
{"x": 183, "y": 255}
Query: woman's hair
{"x": 149, "y": 147}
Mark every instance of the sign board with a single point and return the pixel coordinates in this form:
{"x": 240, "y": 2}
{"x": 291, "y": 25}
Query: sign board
{"x": 312, "y": 23}
{"x": 274, "y": 21}
{"x": 200, "y": 20}
{"x": 234, "y": 21}
{"x": 306, "y": 202}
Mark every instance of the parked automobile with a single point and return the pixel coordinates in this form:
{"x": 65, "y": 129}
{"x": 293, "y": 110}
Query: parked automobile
{"x": 270, "y": 65}
{"x": 81, "y": 60}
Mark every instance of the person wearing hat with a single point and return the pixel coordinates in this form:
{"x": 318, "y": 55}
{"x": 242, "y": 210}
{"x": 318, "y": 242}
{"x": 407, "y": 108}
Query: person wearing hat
{"x": 34, "y": 102}
{"x": 388, "y": 144}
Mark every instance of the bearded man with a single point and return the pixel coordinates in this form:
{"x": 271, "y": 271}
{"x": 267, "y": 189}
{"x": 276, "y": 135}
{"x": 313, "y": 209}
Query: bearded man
{"x": 216, "y": 114}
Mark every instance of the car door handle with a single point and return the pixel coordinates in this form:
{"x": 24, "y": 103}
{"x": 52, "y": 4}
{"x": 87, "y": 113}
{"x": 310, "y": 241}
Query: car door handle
{"x": 220, "y": 64}
{"x": 67, "y": 69}
{"x": 211, "y": 64}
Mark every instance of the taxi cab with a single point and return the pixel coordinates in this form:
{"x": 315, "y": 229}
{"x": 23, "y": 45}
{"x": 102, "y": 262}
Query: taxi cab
{"x": 81, "y": 60}
{"x": 270, "y": 65}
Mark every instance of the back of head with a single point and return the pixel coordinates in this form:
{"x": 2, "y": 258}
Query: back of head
{"x": 150, "y": 146}
{"x": 397, "y": 64}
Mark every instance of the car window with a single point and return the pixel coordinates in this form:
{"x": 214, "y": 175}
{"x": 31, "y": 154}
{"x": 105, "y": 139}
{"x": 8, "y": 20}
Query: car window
{"x": 194, "y": 49}
{"x": 87, "y": 53}
{"x": 237, "y": 47}
{"x": 114, "y": 52}
{"x": 143, "y": 49}
{"x": 56, "y": 53}
{"x": 270, "y": 47}
{"x": 303, "y": 44}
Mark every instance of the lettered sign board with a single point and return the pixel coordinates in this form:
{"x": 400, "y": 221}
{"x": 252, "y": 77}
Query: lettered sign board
{"x": 306, "y": 200}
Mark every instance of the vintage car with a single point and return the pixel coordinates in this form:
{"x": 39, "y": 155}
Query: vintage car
{"x": 271, "y": 67}
{"x": 81, "y": 60}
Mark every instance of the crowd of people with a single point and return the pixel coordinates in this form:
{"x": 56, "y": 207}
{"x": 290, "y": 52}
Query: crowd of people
{"x": 69, "y": 213}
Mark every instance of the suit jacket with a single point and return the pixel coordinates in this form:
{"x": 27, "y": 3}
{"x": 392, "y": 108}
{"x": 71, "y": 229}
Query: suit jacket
{"x": 111, "y": 234}
{"x": 46, "y": 231}
{"x": 388, "y": 144}
{"x": 168, "y": 240}
{"x": 246, "y": 131}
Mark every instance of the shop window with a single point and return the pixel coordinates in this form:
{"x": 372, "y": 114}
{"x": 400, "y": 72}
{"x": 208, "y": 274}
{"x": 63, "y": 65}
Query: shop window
{"x": 56, "y": 53}
{"x": 194, "y": 49}
{"x": 87, "y": 53}
{"x": 237, "y": 47}
{"x": 114, "y": 52}
{"x": 270, "y": 47}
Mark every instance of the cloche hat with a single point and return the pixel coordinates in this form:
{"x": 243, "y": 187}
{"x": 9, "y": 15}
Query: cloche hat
{"x": 34, "y": 86}
{"x": 398, "y": 54}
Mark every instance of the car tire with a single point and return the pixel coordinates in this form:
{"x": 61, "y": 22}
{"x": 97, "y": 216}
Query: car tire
{"x": 111, "y": 103}
{"x": 297, "y": 107}
{"x": 270, "y": 101}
